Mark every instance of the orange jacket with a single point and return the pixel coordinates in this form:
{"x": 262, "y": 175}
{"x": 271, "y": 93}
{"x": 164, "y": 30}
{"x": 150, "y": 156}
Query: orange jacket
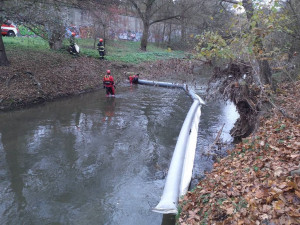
{"x": 108, "y": 81}
{"x": 133, "y": 78}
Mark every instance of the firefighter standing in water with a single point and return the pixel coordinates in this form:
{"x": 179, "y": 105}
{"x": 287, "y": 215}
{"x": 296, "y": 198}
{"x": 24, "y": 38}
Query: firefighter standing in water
{"x": 101, "y": 48}
{"x": 133, "y": 79}
{"x": 109, "y": 84}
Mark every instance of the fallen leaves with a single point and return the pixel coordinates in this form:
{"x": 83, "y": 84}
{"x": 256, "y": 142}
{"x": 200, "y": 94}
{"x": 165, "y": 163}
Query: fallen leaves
{"x": 254, "y": 183}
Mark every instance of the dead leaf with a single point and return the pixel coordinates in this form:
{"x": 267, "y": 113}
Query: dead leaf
{"x": 283, "y": 185}
{"x": 274, "y": 148}
{"x": 264, "y": 217}
{"x": 278, "y": 172}
{"x": 293, "y": 213}
{"x": 230, "y": 210}
{"x": 293, "y": 156}
{"x": 278, "y": 205}
{"x": 259, "y": 194}
{"x": 266, "y": 208}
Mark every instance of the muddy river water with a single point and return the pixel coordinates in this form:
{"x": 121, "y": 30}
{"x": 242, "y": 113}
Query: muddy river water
{"x": 96, "y": 160}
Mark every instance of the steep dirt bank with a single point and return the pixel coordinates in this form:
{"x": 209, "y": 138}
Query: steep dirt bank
{"x": 35, "y": 76}
{"x": 259, "y": 181}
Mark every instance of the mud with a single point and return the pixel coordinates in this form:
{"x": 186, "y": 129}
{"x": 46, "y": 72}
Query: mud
{"x": 34, "y": 77}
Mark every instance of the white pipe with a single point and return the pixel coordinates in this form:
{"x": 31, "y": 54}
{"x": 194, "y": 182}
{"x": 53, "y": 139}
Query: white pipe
{"x": 190, "y": 154}
{"x": 181, "y": 167}
{"x": 170, "y": 196}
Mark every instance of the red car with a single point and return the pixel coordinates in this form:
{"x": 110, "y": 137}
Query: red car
{"x": 9, "y": 29}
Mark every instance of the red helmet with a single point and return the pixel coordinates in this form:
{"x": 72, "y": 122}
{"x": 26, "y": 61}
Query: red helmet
{"x": 73, "y": 34}
{"x": 100, "y": 40}
{"x": 108, "y": 71}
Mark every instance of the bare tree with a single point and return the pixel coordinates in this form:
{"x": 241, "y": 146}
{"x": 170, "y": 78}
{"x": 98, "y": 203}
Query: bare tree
{"x": 44, "y": 18}
{"x": 150, "y": 12}
{"x": 187, "y": 9}
{"x": 103, "y": 16}
{"x": 195, "y": 17}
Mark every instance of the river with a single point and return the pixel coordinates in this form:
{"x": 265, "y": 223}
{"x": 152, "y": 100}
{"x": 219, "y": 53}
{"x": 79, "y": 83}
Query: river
{"x": 96, "y": 160}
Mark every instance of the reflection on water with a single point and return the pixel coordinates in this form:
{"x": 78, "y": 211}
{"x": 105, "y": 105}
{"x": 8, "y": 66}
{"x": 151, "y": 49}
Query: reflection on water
{"x": 215, "y": 114}
{"x": 89, "y": 159}
{"x": 96, "y": 160}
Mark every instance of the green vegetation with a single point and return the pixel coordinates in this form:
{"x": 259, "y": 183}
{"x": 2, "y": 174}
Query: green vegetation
{"x": 127, "y": 51}
{"x": 24, "y": 31}
{"x": 118, "y": 51}
{"x": 25, "y": 43}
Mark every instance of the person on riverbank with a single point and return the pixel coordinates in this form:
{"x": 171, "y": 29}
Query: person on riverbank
{"x": 109, "y": 84}
{"x": 72, "y": 43}
{"x": 101, "y": 48}
{"x": 133, "y": 79}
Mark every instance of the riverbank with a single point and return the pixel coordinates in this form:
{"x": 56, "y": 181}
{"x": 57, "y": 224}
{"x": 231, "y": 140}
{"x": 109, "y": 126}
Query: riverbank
{"x": 252, "y": 185}
{"x": 36, "y": 76}
{"x": 259, "y": 181}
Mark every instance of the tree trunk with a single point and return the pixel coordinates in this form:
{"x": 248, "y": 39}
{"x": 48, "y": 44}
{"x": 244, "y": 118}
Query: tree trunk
{"x": 144, "y": 40}
{"x": 95, "y": 34}
{"x": 104, "y": 33}
{"x": 183, "y": 31}
{"x": 264, "y": 67}
{"x": 170, "y": 33}
{"x": 265, "y": 72}
{"x": 56, "y": 37}
{"x": 164, "y": 33}
{"x": 3, "y": 58}
{"x": 55, "y": 44}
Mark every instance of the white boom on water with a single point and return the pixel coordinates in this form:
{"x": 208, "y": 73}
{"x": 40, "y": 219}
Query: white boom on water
{"x": 181, "y": 167}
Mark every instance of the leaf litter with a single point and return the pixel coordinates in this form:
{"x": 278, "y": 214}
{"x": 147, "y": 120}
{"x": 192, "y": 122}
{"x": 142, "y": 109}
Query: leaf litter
{"x": 258, "y": 182}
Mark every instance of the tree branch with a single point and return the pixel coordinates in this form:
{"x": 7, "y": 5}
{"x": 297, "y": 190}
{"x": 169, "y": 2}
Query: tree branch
{"x": 231, "y": 1}
{"x": 164, "y": 19}
{"x": 137, "y": 9}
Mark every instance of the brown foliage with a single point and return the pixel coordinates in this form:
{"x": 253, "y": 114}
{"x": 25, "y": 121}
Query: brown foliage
{"x": 253, "y": 184}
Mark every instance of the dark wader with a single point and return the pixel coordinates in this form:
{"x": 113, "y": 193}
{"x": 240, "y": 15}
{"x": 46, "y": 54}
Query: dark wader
{"x": 109, "y": 90}
{"x": 72, "y": 45}
{"x": 101, "y": 50}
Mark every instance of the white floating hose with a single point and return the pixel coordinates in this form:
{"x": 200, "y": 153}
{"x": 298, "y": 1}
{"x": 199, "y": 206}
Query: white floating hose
{"x": 182, "y": 163}
{"x": 171, "y": 193}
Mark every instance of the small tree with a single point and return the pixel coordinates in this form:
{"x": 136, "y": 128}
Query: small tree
{"x": 44, "y": 19}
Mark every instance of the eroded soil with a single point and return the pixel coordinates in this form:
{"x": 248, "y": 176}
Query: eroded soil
{"x": 35, "y": 76}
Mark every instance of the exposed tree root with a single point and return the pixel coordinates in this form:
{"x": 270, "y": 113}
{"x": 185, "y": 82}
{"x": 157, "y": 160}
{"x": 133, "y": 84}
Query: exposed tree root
{"x": 235, "y": 83}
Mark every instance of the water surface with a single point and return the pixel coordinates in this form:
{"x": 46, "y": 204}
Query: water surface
{"x": 96, "y": 160}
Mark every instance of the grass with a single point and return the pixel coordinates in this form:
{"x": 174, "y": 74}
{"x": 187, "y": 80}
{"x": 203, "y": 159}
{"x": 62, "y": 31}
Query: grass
{"x": 25, "y": 43}
{"x": 118, "y": 51}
